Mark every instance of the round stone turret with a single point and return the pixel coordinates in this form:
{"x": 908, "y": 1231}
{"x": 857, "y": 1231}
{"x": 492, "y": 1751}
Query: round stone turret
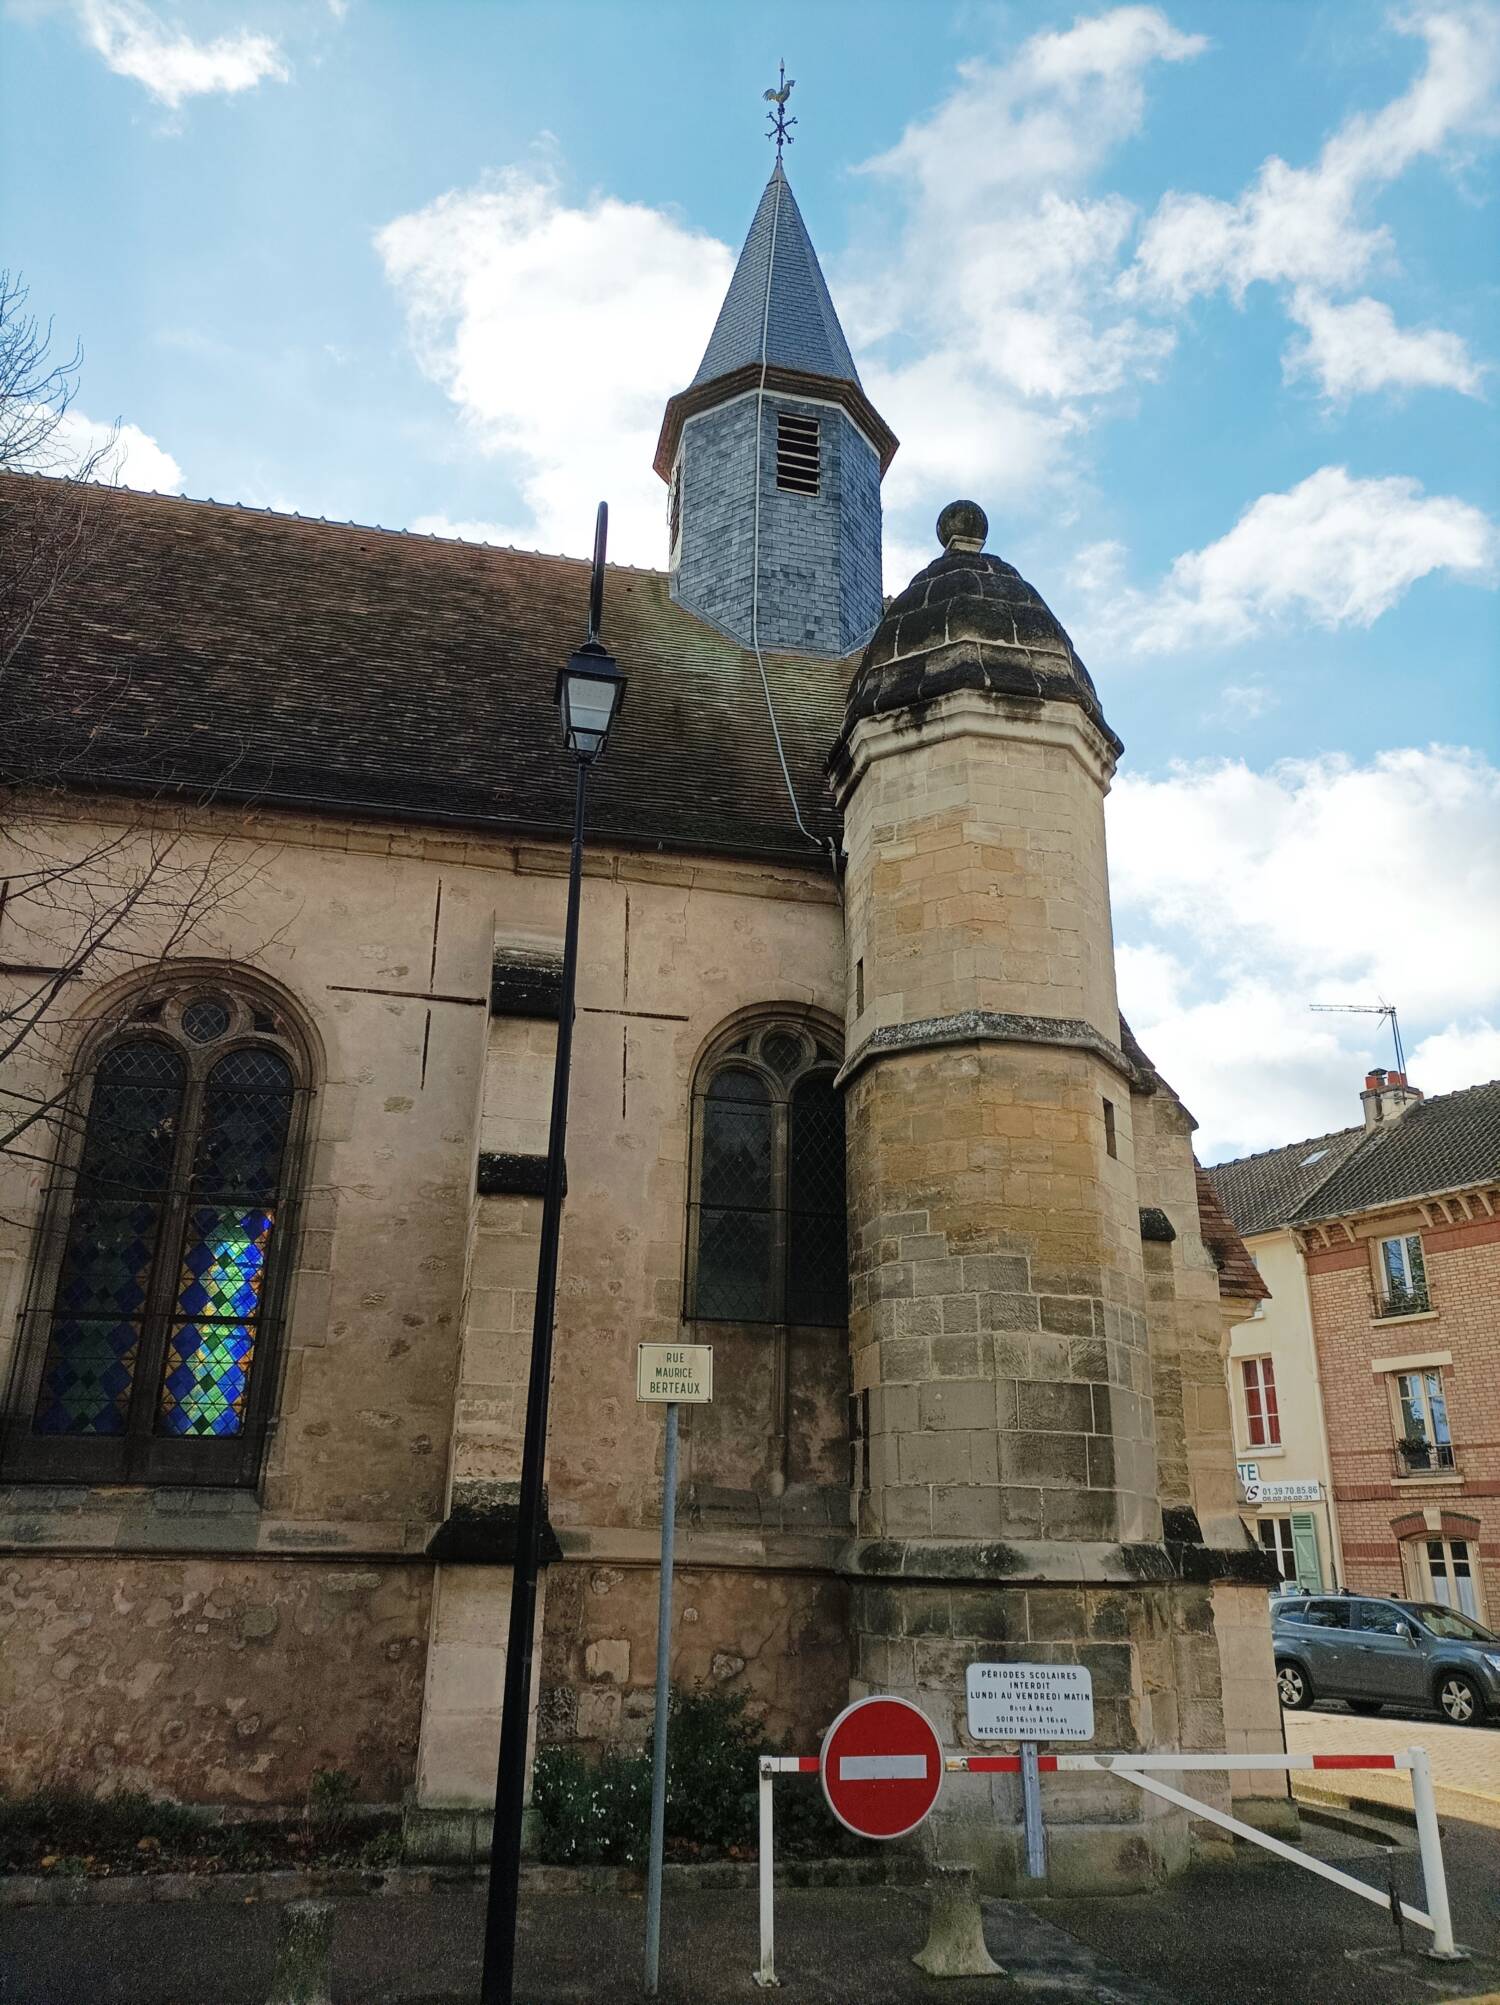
{"x": 968, "y": 621}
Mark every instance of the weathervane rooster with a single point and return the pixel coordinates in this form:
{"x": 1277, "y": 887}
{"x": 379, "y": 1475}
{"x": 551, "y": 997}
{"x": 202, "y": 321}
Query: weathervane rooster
{"x": 780, "y": 123}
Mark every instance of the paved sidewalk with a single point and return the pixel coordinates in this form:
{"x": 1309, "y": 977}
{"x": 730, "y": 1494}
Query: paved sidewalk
{"x": 1255, "y": 1934}
{"x": 1465, "y": 1760}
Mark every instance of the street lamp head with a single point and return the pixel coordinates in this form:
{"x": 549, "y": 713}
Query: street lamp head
{"x": 590, "y": 693}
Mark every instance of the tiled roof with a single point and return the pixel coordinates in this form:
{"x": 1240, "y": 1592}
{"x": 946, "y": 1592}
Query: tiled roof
{"x": 1447, "y": 1143}
{"x": 1263, "y": 1191}
{"x": 801, "y": 328}
{"x": 1238, "y": 1274}
{"x": 252, "y": 655}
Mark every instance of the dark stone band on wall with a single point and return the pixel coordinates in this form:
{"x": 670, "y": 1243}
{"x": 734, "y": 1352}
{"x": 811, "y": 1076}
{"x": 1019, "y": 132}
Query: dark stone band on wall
{"x": 502, "y": 1175}
{"x": 1056, "y": 1564}
{"x": 526, "y": 985}
{"x": 480, "y": 1529}
{"x": 988, "y": 1026}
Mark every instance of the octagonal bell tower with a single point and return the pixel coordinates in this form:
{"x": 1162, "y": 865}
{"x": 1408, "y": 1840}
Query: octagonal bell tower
{"x": 773, "y": 457}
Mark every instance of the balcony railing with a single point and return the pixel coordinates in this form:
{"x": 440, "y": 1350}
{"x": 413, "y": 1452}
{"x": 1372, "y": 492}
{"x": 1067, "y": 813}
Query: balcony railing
{"x": 1403, "y": 1302}
{"x": 1424, "y": 1458}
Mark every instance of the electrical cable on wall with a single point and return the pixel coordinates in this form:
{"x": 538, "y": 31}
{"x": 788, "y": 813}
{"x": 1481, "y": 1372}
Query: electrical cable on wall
{"x": 760, "y": 662}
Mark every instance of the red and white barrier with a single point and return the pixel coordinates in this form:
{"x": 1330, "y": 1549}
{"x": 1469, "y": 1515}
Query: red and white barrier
{"x": 1141, "y": 1770}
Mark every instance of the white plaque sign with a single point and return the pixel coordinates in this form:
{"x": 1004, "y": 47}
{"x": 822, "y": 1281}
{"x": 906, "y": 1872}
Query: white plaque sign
{"x": 680, "y": 1372}
{"x": 1030, "y": 1702}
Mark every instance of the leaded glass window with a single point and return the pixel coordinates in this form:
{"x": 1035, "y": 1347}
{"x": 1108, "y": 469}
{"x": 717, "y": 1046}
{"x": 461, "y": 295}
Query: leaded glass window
{"x": 159, "y": 1310}
{"x": 767, "y": 1232}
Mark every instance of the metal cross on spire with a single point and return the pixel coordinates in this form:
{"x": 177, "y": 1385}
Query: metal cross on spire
{"x": 780, "y": 123}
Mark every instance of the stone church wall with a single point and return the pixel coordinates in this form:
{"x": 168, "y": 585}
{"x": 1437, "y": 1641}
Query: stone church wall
{"x": 212, "y": 1680}
{"x": 303, "y": 1605}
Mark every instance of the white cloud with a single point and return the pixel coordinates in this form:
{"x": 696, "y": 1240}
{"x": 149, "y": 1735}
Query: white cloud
{"x": 1303, "y": 225}
{"x": 1245, "y": 701}
{"x": 989, "y": 322}
{"x": 1243, "y": 896}
{"x": 131, "y": 457}
{"x": 1462, "y": 1055}
{"x": 469, "y": 530}
{"x": 137, "y": 43}
{"x": 559, "y": 332}
{"x": 1004, "y": 259}
{"x": 1358, "y": 347}
{"x": 1335, "y": 550}
{"x": 1041, "y": 120}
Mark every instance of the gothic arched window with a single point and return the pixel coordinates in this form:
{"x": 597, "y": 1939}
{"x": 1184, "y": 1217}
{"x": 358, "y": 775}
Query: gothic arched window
{"x": 159, "y": 1307}
{"x": 767, "y": 1226}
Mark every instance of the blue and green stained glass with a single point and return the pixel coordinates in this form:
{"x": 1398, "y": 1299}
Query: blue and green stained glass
{"x": 87, "y": 1376}
{"x": 133, "y": 1154}
{"x": 209, "y": 1352}
{"x": 123, "y": 1176}
{"x": 211, "y": 1344}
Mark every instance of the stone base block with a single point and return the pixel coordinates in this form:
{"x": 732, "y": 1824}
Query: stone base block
{"x": 1081, "y": 1858}
{"x": 955, "y": 1930}
{"x": 1275, "y": 1815}
{"x": 459, "y": 1836}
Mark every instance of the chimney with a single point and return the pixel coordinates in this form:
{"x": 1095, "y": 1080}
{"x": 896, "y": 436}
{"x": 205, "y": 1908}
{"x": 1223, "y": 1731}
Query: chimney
{"x": 1387, "y": 1096}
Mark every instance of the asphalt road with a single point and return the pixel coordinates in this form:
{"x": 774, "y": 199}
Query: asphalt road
{"x": 1253, "y": 1934}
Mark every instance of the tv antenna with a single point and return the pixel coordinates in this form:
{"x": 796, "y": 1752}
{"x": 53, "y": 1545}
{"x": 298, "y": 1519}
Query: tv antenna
{"x": 1368, "y": 1009}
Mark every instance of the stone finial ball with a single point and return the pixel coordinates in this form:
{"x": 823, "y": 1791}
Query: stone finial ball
{"x": 963, "y": 525}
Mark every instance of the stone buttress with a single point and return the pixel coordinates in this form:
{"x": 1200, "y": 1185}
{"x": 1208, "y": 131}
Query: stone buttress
{"x": 1007, "y": 1502}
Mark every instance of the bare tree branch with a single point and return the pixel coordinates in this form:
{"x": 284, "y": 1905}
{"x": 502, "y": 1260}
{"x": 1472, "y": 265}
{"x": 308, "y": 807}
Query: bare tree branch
{"x": 84, "y": 899}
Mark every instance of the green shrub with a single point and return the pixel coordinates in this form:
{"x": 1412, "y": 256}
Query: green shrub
{"x": 711, "y": 1771}
{"x": 330, "y": 1801}
{"x": 591, "y": 1813}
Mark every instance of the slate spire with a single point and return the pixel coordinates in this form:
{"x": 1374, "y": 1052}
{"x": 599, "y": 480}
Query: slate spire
{"x": 801, "y": 327}
{"x": 774, "y": 456}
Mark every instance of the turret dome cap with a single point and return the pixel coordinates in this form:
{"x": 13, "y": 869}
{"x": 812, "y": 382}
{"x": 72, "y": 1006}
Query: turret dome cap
{"x": 968, "y": 621}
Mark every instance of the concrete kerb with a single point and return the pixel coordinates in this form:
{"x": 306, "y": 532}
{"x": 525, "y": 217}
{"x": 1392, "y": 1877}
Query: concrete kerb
{"x": 23, "y": 1890}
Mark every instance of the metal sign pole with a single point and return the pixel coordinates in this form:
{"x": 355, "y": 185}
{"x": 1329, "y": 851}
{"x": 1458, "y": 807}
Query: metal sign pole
{"x": 1031, "y": 1808}
{"x": 663, "y": 1701}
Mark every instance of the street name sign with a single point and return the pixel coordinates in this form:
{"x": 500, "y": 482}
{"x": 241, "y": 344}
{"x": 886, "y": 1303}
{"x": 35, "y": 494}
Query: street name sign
{"x": 881, "y": 1767}
{"x": 681, "y": 1374}
{"x": 1030, "y": 1702}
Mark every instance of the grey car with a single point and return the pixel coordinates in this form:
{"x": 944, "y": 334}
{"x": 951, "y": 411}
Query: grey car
{"x": 1376, "y": 1652}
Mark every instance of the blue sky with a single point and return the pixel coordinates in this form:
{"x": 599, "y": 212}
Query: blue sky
{"x": 1198, "y": 300}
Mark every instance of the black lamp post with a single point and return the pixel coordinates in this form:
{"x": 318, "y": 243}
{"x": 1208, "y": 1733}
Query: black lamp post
{"x": 590, "y": 691}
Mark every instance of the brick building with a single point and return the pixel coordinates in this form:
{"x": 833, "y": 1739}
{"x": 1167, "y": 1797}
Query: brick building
{"x": 1397, "y": 1225}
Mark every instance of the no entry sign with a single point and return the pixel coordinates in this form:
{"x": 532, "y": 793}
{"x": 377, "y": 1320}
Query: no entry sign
{"x": 881, "y": 1766}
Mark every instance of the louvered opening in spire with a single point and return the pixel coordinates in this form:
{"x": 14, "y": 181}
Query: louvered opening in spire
{"x": 796, "y": 452}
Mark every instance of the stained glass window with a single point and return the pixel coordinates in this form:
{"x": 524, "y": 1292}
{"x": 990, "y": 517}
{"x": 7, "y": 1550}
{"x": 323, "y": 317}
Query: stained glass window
{"x": 247, "y": 1105}
{"x": 736, "y": 1219}
{"x": 160, "y": 1305}
{"x": 123, "y": 1186}
{"x": 768, "y": 1217}
{"x": 206, "y": 1019}
{"x": 817, "y": 1268}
